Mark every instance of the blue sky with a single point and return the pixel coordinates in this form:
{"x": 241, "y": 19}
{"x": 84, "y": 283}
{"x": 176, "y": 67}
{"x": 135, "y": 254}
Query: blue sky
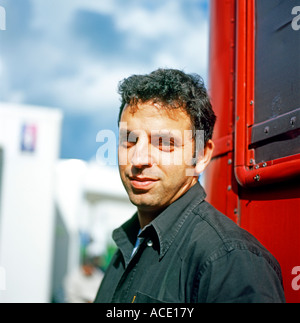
{"x": 71, "y": 54}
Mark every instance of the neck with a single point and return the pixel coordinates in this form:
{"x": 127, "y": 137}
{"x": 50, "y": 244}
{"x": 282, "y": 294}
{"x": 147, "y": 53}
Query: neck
{"x": 146, "y": 216}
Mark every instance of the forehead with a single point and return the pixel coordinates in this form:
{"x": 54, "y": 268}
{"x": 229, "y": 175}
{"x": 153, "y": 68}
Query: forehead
{"x": 153, "y": 116}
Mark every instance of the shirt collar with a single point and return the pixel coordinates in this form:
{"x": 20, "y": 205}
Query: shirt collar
{"x": 166, "y": 225}
{"x": 170, "y": 221}
{"x": 125, "y": 237}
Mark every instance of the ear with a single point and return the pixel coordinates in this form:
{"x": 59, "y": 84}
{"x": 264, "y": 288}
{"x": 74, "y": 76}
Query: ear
{"x": 204, "y": 160}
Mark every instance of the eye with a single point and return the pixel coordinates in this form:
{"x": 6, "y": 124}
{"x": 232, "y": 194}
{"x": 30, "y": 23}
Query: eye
{"x": 128, "y": 140}
{"x": 163, "y": 143}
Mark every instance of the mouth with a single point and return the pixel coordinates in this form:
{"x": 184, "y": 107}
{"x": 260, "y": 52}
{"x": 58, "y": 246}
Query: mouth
{"x": 142, "y": 183}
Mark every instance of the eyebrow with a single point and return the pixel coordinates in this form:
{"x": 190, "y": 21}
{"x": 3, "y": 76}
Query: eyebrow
{"x": 168, "y": 134}
{"x": 154, "y": 133}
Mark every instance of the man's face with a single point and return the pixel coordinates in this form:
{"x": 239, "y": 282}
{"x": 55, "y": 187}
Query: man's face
{"x": 155, "y": 154}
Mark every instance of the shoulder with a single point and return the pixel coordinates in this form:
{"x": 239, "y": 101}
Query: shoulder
{"x": 214, "y": 235}
{"x": 229, "y": 263}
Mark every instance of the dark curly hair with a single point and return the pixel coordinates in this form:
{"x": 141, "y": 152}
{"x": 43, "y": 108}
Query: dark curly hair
{"x": 172, "y": 89}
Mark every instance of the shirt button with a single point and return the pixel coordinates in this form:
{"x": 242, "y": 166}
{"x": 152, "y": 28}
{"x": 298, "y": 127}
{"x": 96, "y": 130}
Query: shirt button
{"x": 149, "y": 243}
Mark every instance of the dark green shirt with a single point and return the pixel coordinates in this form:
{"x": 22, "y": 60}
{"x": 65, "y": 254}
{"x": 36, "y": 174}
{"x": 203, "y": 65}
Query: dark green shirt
{"x": 190, "y": 253}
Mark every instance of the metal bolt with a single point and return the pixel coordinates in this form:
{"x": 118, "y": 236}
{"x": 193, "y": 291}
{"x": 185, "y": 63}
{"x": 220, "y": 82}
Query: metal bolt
{"x": 228, "y": 187}
{"x": 251, "y": 102}
{"x": 256, "y": 167}
{"x": 256, "y": 178}
{"x": 229, "y": 161}
{"x": 264, "y": 164}
{"x": 293, "y": 121}
{"x": 251, "y": 161}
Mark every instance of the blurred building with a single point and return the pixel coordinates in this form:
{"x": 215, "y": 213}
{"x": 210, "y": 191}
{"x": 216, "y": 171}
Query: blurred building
{"x": 29, "y": 148}
{"x": 90, "y": 203}
{"x": 48, "y": 206}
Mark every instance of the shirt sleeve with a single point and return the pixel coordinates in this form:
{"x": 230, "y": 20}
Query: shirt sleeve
{"x": 239, "y": 276}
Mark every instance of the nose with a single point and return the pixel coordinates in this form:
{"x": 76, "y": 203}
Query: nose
{"x": 141, "y": 154}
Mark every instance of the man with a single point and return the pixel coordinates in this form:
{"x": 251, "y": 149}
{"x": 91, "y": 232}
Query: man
{"x": 81, "y": 285}
{"x": 177, "y": 247}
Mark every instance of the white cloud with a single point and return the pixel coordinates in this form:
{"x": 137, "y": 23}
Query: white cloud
{"x": 140, "y": 22}
{"x": 17, "y": 96}
{"x": 53, "y": 15}
{"x": 94, "y": 87}
{"x": 179, "y": 41}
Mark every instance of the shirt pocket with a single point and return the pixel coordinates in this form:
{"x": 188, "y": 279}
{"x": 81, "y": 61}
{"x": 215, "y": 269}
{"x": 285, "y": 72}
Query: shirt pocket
{"x": 143, "y": 298}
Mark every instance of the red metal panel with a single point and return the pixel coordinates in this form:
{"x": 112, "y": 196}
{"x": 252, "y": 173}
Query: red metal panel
{"x": 247, "y": 172}
{"x": 271, "y": 213}
{"x": 221, "y": 187}
{"x": 221, "y": 88}
{"x": 221, "y": 66}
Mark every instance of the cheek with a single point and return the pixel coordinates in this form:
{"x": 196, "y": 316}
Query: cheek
{"x": 181, "y": 158}
{"x": 122, "y": 156}
{"x": 122, "y": 171}
{"x": 174, "y": 174}
{"x": 188, "y": 154}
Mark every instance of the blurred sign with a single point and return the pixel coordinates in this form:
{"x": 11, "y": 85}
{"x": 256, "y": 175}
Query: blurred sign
{"x": 28, "y": 138}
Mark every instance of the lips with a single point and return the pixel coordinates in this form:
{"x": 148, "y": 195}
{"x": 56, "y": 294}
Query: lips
{"x": 142, "y": 183}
